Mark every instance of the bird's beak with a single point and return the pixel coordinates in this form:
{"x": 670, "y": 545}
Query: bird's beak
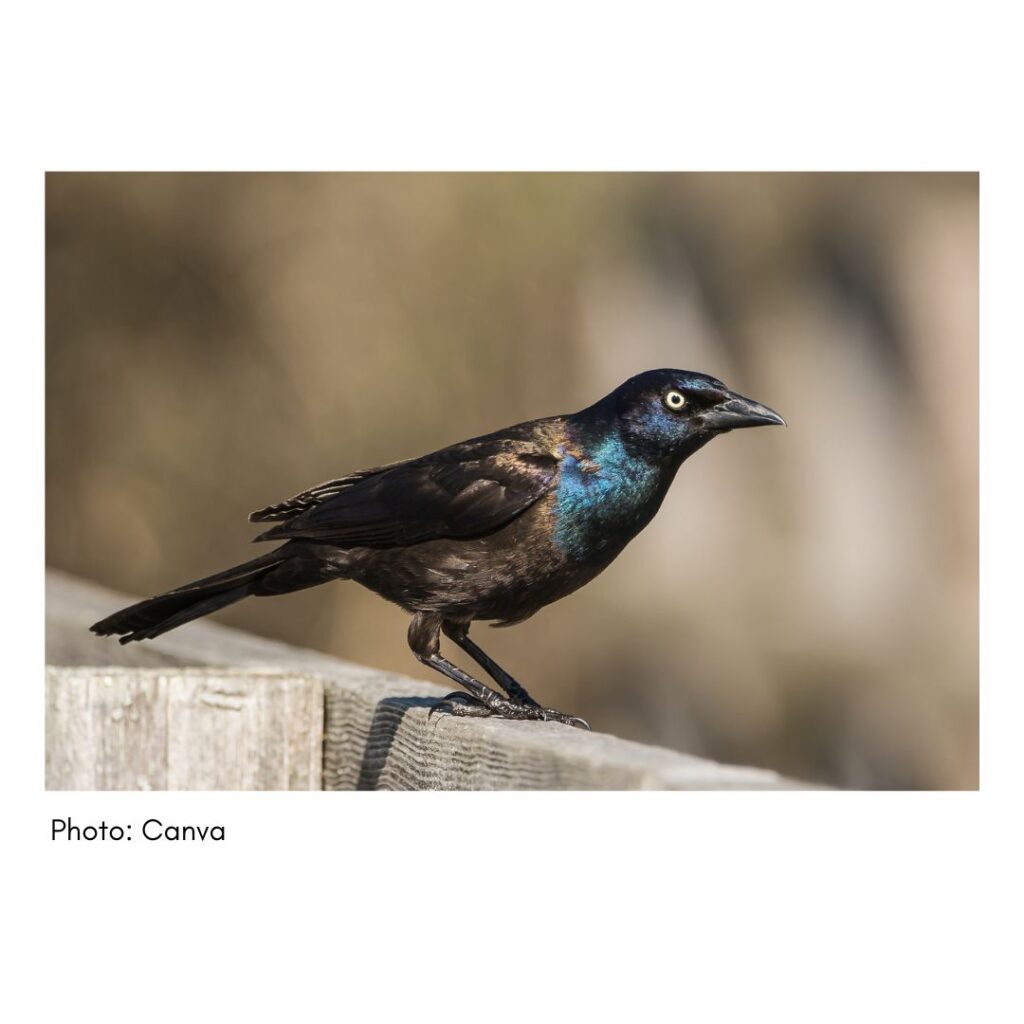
{"x": 735, "y": 411}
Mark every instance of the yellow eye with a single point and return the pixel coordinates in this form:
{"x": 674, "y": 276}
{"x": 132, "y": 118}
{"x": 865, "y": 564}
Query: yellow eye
{"x": 675, "y": 400}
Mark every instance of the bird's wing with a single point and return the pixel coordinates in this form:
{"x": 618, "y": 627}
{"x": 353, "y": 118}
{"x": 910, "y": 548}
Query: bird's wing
{"x": 305, "y": 500}
{"x": 466, "y": 490}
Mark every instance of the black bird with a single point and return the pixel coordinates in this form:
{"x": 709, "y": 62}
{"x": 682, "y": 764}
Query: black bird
{"x": 493, "y": 528}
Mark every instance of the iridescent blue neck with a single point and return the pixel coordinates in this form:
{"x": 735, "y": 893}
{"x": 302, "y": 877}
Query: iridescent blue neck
{"x": 606, "y": 493}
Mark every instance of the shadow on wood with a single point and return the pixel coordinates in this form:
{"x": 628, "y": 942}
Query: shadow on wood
{"x": 386, "y": 721}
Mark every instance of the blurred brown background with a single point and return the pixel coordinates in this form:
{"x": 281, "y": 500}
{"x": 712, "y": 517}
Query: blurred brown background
{"x": 805, "y": 600}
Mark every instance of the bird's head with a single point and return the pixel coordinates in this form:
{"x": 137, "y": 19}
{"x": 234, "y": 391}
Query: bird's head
{"x": 674, "y": 412}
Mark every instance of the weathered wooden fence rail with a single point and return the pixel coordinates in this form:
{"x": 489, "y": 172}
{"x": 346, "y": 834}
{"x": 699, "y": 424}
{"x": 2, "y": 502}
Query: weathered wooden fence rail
{"x": 208, "y": 707}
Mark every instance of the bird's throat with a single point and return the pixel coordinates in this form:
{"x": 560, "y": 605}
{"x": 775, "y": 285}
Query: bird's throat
{"x": 605, "y": 496}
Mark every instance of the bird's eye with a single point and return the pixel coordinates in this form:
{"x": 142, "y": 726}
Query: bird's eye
{"x": 675, "y": 400}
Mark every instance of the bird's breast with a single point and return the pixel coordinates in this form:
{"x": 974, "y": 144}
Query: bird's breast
{"x": 602, "y": 499}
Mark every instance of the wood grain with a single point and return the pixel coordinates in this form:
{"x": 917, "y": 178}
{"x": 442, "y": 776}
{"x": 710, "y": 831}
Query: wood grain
{"x": 197, "y": 729}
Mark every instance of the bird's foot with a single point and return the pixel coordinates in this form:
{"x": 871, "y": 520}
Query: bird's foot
{"x": 462, "y": 705}
{"x": 551, "y": 715}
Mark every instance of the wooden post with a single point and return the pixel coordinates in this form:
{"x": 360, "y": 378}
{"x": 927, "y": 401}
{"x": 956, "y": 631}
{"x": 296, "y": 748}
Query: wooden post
{"x": 123, "y": 728}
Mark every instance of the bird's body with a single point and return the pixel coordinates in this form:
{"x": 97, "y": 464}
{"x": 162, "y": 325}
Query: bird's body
{"x": 493, "y": 528}
{"x": 591, "y": 507}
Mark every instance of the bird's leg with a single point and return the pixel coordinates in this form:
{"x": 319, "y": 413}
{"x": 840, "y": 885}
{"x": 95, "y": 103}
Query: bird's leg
{"x": 482, "y": 700}
{"x": 423, "y": 639}
{"x": 459, "y": 633}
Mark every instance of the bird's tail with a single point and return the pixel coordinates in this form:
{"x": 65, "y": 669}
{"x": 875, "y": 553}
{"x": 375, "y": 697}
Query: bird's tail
{"x": 157, "y": 615}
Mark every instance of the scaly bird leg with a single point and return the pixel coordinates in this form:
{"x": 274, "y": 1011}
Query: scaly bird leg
{"x": 459, "y": 633}
{"x": 482, "y": 701}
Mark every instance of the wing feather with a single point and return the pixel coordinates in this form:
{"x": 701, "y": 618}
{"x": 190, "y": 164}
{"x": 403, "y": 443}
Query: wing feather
{"x": 305, "y": 500}
{"x": 464, "y": 491}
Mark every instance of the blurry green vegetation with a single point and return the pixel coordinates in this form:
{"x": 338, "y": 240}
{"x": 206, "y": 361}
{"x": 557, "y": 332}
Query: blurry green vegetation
{"x": 805, "y": 600}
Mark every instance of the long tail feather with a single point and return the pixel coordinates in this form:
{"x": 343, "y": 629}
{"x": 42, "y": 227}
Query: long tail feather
{"x": 157, "y": 615}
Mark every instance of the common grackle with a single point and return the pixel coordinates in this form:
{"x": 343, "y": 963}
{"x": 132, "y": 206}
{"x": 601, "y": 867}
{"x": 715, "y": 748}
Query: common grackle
{"x": 493, "y": 528}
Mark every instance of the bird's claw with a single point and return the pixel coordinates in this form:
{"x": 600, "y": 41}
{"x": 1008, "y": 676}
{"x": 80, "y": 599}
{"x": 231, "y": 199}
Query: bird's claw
{"x": 459, "y": 704}
{"x": 463, "y": 705}
{"x": 574, "y": 720}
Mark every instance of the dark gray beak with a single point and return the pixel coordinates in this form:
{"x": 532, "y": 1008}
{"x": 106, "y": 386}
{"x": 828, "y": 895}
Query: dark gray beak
{"x": 735, "y": 411}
